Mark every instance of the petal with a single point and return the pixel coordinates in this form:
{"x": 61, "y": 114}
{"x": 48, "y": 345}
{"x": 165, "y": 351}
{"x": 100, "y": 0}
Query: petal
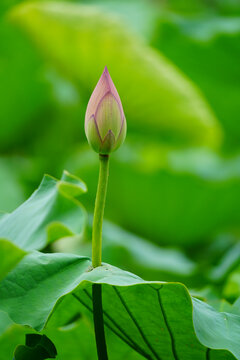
{"x": 92, "y": 134}
{"x": 104, "y": 86}
{"x": 108, "y": 116}
{"x": 113, "y": 89}
{"x": 122, "y": 135}
{"x": 108, "y": 143}
{"x": 111, "y": 85}
{"x": 105, "y": 123}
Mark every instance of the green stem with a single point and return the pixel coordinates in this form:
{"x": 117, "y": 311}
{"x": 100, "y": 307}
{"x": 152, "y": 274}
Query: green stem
{"x": 97, "y": 256}
{"x": 99, "y": 211}
{"x": 98, "y": 322}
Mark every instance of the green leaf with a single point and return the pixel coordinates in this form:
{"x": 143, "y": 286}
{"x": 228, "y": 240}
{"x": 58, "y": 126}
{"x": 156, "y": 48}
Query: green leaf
{"x": 58, "y": 273}
{"x": 38, "y": 347}
{"x": 5, "y": 322}
{"x": 232, "y": 287}
{"x": 159, "y": 320}
{"x": 172, "y": 196}
{"x": 144, "y": 257}
{"x": 50, "y": 213}
{"x": 145, "y": 254}
{"x": 221, "y": 330}
{"x": 20, "y": 105}
{"x": 10, "y": 255}
{"x": 10, "y": 339}
{"x": 77, "y": 341}
{"x": 157, "y": 98}
{"x": 236, "y": 306}
{"x": 73, "y": 342}
{"x": 192, "y": 40}
{"x": 230, "y": 260}
{"x": 140, "y": 15}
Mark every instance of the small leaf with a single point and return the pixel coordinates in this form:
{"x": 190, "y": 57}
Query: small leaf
{"x": 50, "y": 213}
{"x": 58, "y": 273}
{"x": 38, "y": 347}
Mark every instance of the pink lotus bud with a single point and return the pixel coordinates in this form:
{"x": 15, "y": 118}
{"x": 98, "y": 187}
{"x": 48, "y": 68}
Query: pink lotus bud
{"x": 105, "y": 123}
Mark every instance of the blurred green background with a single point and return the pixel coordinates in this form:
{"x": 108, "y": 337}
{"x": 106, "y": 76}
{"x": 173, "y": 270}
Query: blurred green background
{"x": 173, "y": 209}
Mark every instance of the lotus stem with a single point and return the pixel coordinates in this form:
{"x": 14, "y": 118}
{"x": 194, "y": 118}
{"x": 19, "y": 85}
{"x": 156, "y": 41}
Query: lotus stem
{"x": 99, "y": 211}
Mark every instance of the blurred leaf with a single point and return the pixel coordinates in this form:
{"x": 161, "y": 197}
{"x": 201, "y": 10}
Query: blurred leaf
{"x": 184, "y": 6}
{"x": 38, "y": 347}
{"x": 232, "y": 287}
{"x": 8, "y": 4}
{"x": 157, "y": 98}
{"x": 11, "y": 192}
{"x": 50, "y": 213}
{"x": 36, "y": 294}
{"x": 10, "y": 255}
{"x": 23, "y": 88}
{"x": 130, "y": 252}
{"x": 225, "y": 7}
{"x": 167, "y": 195}
{"x": 236, "y": 306}
{"x": 150, "y": 261}
{"x": 139, "y": 15}
{"x": 10, "y": 339}
{"x": 146, "y": 254}
{"x": 5, "y": 323}
{"x": 219, "y": 246}
{"x": 229, "y": 261}
{"x": 207, "y": 49}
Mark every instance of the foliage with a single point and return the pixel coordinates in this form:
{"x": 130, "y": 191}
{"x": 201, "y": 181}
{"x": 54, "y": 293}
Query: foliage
{"x": 173, "y": 201}
{"x": 37, "y": 346}
{"x": 45, "y": 289}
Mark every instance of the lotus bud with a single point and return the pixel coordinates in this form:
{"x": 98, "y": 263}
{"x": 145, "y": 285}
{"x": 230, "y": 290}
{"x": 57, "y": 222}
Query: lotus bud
{"x": 105, "y": 123}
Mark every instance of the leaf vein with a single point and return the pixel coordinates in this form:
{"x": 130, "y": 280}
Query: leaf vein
{"x": 167, "y": 325}
{"x": 127, "y": 340}
{"x": 137, "y": 325}
{"x": 134, "y": 344}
